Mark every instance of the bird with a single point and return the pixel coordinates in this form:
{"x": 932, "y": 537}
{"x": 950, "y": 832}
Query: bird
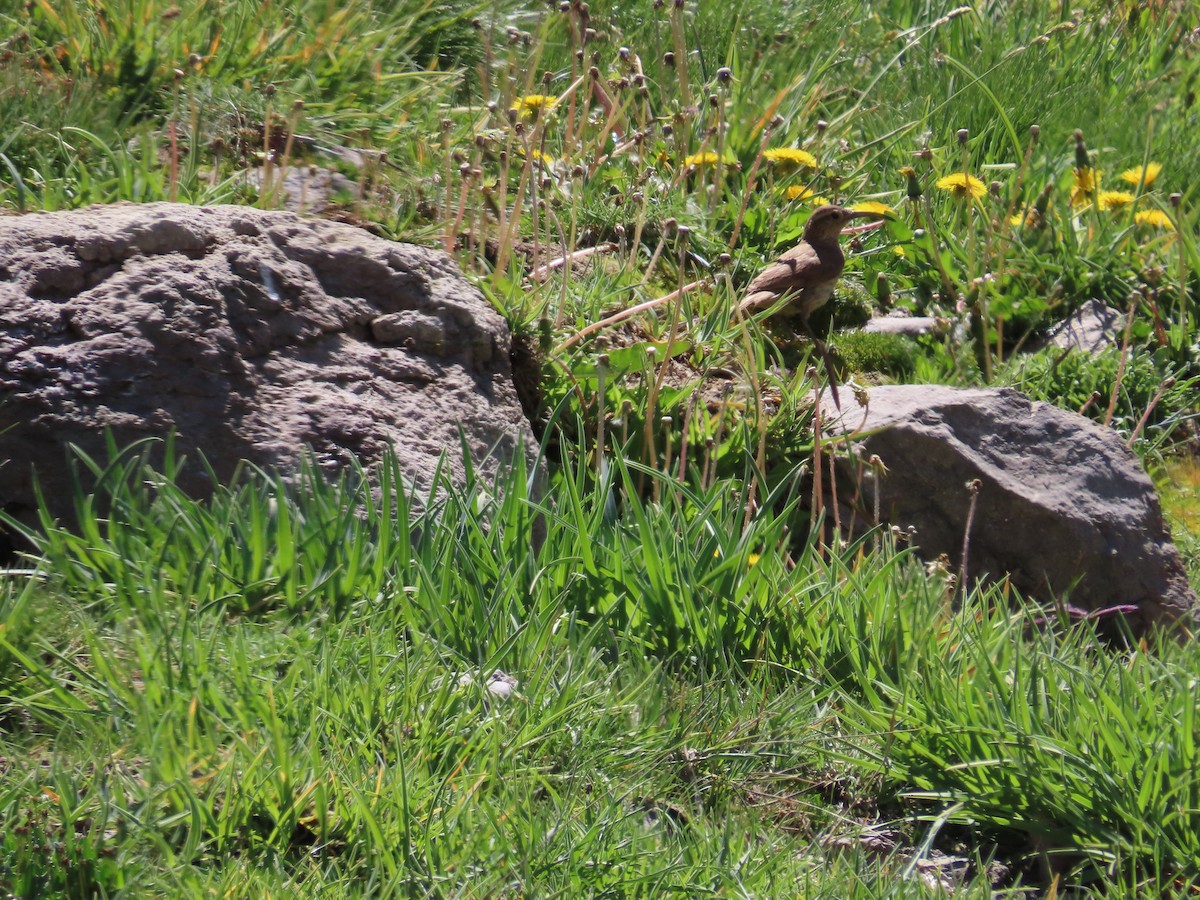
{"x": 805, "y": 275}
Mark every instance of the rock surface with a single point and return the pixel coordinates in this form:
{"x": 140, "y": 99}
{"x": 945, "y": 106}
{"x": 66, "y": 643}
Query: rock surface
{"x": 912, "y": 326}
{"x": 304, "y": 189}
{"x": 248, "y": 333}
{"x": 1063, "y": 506}
{"x": 1092, "y": 328}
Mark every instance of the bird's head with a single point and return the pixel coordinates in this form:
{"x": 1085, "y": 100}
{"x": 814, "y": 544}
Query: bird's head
{"x": 827, "y": 222}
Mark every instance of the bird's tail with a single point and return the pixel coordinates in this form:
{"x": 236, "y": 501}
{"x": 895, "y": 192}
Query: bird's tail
{"x": 757, "y": 302}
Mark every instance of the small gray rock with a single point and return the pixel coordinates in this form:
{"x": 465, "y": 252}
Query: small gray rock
{"x": 912, "y": 326}
{"x": 1092, "y": 328}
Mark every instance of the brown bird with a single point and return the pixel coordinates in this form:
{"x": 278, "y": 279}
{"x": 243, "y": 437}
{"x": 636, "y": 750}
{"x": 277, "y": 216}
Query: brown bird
{"x": 806, "y": 274}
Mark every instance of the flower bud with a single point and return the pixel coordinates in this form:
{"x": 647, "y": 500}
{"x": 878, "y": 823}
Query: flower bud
{"x": 883, "y": 290}
{"x": 1043, "y": 200}
{"x": 1082, "y": 160}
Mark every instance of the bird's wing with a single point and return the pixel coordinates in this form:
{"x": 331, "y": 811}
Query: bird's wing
{"x": 781, "y": 275}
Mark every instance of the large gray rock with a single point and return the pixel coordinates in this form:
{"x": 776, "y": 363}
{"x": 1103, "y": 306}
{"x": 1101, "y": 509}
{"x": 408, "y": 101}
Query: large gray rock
{"x": 248, "y": 333}
{"x": 1063, "y": 506}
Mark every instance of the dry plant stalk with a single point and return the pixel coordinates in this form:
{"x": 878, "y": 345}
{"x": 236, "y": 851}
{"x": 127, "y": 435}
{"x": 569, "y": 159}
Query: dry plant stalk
{"x": 1158, "y": 395}
{"x": 626, "y": 313}
{"x": 818, "y": 499}
{"x": 973, "y": 487}
{"x": 1124, "y": 358}
{"x": 546, "y": 268}
{"x": 661, "y": 374}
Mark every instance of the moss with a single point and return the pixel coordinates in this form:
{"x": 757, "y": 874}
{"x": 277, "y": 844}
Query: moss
{"x": 888, "y": 354}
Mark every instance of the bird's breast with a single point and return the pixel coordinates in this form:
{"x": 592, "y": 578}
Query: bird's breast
{"x": 816, "y": 295}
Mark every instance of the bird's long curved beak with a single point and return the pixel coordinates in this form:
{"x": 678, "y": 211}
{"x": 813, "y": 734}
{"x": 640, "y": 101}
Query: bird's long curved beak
{"x": 877, "y": 220}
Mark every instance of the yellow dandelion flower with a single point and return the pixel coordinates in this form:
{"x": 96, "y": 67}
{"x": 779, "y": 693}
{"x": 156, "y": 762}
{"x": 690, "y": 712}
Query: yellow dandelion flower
{"x": 535, "y": 104}
{"x": 799, "y": 192}
{"x": 790, "y": 157}
{"x": 1137, "y": 175}
{"x": 1111, "y": 201}
{"x": 899, "y": 251}
{"x": 1155, "y": 218}
{"x": 873, "y": 206}
{"x": 752, "y": 559}
{"x": 707, "y": 158}
{"x": 962, "y": 186}
{"x": 1086, "y": 181}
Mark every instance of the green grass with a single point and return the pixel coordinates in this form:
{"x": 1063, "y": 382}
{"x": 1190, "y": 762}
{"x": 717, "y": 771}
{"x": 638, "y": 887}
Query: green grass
{"x": 283, "y": 689}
